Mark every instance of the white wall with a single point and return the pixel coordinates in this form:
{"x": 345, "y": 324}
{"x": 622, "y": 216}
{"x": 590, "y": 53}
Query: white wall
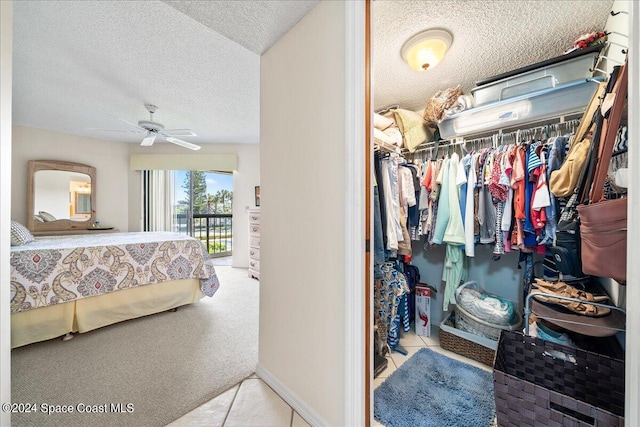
{"x": 6, "y": 37}
{"x": 632, "y": 350}
{"x": 245, "y": 178}
{"x": 111, "y": 160}
{"x": 308, "y": 247}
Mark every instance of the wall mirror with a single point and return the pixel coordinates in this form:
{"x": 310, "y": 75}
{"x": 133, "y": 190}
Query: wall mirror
{"x": 61, "y": 196}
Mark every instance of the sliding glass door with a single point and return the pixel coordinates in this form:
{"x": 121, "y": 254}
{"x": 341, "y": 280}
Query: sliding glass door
{"x": 195, "y": 203}
{"x": 203, "y": 206}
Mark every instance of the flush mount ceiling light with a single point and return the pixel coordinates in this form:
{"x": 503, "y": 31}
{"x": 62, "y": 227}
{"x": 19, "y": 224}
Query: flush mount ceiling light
{"x": 425, "y": 50}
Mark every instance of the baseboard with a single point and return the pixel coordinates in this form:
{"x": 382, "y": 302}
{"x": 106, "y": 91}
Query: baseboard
{"x": 298, "y": 405}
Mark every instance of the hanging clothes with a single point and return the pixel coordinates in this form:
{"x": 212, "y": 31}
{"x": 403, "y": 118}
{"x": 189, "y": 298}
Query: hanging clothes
{"x": 453, "y": 275}
{"x": 390, "y": 294}
{"x": 454, "y": 231}
{"x": 469, "y": 218}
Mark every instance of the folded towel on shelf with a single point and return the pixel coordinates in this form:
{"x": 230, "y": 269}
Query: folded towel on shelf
{"x": 382, "y": 122}
{"x": 390, "y": 135}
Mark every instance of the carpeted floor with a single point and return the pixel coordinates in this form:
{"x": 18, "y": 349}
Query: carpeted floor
{"x": 433, "y": 390}
{"x": 164, "y": 365}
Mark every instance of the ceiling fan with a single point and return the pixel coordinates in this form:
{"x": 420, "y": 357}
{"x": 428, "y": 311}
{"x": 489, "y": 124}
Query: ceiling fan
{"x": 153, "y": 130}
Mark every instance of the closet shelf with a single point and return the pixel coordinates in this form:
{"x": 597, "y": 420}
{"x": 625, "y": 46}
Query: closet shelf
{"x": 604, "y": 326}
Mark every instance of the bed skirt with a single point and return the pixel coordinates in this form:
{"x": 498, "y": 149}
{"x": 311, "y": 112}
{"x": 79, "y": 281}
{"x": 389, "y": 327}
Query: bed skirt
{"x": 87, "y": 314}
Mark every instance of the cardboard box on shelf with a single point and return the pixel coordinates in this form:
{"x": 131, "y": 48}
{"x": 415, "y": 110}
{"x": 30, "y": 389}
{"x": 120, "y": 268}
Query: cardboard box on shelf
{"x": 423, "y": 310}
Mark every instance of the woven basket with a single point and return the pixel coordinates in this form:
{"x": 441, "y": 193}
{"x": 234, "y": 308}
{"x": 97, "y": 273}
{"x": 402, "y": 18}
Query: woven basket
{"x": 538, "y": 382}
{"x": 470, "y": 323}
{"x": 464, "y": 347}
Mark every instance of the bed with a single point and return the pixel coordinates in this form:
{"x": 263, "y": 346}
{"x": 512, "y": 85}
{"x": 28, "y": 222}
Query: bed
{"x": 78, "y": 283}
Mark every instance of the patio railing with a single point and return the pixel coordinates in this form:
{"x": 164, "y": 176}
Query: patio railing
{"x": 215, "y": 230}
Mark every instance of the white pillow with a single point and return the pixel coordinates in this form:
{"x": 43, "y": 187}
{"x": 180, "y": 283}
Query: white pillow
{"x": 390, "y": 136}
{"x": 46, "y": 216}
{"x": 381, "y": 122}
{"x": 394, "y": 134}
{"x": 20, "y": 234}
{"x": 38, "y": 218}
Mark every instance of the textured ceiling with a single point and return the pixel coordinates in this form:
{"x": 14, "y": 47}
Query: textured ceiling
{"x": 92, "y": 64}
{"x": 255, "y": 24}
{"x": 489, "y": 38}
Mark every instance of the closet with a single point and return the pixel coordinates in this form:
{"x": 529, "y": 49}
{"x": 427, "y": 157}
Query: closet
{"x": 490, "y": 256}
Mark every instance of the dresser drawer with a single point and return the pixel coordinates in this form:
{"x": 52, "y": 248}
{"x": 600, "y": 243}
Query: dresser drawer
{"x": 254, "y": 253}
{"x": 254, "y": 264}
{"x": 254, "y": 218}
{"x": 254, "y": 242}
{"x": 254, "y": 229}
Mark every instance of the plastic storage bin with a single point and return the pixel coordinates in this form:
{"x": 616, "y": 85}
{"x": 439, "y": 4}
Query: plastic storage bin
{"x": 570, "y": 98}
{"x": 543, "y": 75}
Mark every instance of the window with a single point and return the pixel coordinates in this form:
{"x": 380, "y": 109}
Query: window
{"x": 196, "y": 203}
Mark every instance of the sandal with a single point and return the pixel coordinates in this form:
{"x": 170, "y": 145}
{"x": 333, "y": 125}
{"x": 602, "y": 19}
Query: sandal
{"x": 566, "y": 290}
{"x": 577, "y": 307}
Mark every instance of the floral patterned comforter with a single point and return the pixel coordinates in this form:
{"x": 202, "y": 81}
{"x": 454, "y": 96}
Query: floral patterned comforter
{"x": 58, "y": 269}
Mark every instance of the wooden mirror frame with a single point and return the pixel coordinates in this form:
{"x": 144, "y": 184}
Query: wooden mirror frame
{"x": 60, "y": 225}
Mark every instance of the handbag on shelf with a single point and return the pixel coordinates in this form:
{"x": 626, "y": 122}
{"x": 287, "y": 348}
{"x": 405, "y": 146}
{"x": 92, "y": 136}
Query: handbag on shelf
{"x": 603, "y": 223}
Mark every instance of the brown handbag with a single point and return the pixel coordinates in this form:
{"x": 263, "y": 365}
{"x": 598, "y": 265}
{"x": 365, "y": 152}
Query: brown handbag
{"x": 603, "y": 223}
{"x": 603, "y": 234}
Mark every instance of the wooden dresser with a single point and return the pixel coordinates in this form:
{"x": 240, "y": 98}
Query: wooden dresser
{"x": 254, "y": 243}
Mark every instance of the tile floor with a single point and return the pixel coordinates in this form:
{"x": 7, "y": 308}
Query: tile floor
{"x": 252, "y": 403}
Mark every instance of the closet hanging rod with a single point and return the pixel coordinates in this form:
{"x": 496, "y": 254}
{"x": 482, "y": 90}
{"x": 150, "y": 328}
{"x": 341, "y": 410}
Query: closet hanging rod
{"x": 536, "y": 123}
{"x": 386, "y": 147}
{"x": 443, "y": 143}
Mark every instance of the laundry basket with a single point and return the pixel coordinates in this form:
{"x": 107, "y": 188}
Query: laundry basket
{"x": 469, "y": 322}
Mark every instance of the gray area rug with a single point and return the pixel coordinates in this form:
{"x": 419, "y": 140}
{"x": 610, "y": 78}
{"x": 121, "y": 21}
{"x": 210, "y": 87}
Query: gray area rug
{"x": 163, "y": 365}
{"x": 433, "y": 390}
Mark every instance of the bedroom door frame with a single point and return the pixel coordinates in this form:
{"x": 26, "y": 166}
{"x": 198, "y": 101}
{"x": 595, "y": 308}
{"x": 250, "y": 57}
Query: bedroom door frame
{"x": 632, "y": 347}
{"x": 6, "y": 70}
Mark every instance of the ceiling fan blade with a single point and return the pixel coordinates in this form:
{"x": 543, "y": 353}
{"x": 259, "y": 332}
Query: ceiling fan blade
{"x": 179, "y": 132}
{"x": 182, "y": 143}
{"x": 148, "y": 141}
{"x": 138, "y": 128}
{"x": 113, "y": 130}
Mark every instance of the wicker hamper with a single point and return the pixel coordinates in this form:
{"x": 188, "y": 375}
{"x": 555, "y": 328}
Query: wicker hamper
{"x": 538, "y": 382}
{"x": 461, "y": 342}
